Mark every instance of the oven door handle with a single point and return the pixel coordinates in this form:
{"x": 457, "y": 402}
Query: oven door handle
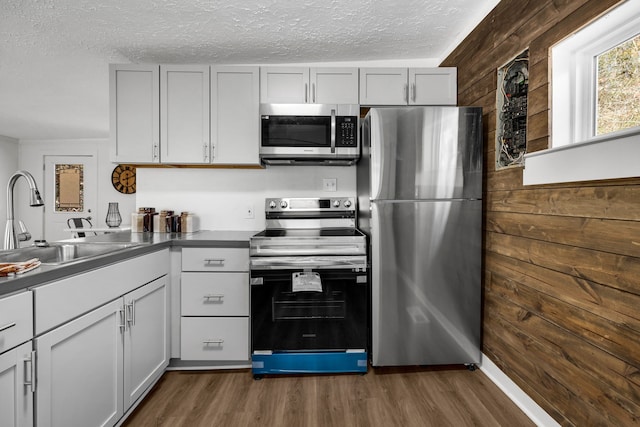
{"x": 282, "y": 263}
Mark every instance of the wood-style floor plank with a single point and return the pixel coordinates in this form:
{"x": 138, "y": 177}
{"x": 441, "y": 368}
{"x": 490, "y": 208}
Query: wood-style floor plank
{"x": 402, "y": 397}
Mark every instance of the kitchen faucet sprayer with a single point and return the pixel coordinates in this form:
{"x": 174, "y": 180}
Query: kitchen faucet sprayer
{"x": 10, "y": 237}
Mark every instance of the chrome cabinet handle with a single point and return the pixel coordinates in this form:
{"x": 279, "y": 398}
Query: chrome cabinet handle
{"x": 7, "y": 326}
{"x": 306, "y": 92}
{"x": 214, "y": 262}
{"x": 214, "y": 296}
{"x": 123, "y": 319}
{"x": 130, "y": 314}
{"x": 313, "y": 92}
{"x": 413, "y": 92}
{"x": 155, "y": 151}
{"x": 30, "y": 380}
{"x": 205, "y": 155}
{"x": 218, "y": 341}
{"x": 405, "y": 93}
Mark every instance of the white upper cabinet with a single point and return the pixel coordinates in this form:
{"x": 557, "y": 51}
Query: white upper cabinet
{"x": 433, "y": 86}
{"x": 134, "y": 113}
{"x": 184, "y": 113}
{"x": 413, "y": 86}
{"x": 296, "y": 85}
{"x": 235, "y": 118}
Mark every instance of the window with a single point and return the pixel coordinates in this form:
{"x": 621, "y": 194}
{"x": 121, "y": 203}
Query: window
{"x": 595, "y": 94}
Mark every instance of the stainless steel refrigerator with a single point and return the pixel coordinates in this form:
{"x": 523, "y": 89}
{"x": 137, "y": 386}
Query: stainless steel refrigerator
{"x": 420, "y": 203}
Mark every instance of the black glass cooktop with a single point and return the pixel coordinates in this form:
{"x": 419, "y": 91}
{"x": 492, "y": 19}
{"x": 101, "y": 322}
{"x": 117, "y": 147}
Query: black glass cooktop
{"x": 319, "y": 232}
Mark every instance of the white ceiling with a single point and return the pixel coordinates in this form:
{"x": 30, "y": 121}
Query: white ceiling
{"x": 54, "y": 54}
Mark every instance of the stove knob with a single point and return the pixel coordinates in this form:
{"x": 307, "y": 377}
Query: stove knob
{"x": 347, "y": 204}
{"x": 283, "y": 204}
{"x": 336, "y": 203}
{"x": 272, "y": 204}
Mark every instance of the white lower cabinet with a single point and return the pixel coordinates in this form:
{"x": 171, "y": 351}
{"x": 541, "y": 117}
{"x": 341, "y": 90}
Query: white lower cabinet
{"x": 92, "y": 369}
{"x": 214, "y": 323}
{"x": 16, "y": 392}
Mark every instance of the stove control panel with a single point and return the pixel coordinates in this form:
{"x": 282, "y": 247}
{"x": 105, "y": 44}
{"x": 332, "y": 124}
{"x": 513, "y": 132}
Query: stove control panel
{"x": 347, "y": 204}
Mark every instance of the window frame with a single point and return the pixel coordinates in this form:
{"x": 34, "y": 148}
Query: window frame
{"x": 576, "y": 154}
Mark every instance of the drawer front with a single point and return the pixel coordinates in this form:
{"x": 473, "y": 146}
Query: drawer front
{"x": 222, "y": 294}
{"x": 215, "y": 259}
{"x": 215, "y": 338}
{"x": 16, "y": 320}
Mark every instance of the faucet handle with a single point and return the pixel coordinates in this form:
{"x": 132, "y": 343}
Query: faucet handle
{"x": 24, "y": 234}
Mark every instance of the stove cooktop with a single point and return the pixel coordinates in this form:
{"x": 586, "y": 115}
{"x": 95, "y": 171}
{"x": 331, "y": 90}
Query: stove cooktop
{"x": 310, "y": 232}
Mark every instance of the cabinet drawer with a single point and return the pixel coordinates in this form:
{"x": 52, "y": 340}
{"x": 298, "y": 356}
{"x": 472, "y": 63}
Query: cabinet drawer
{"x": 223, "y": 294}
{"x": 16, "y": 320}
{"x": 214, "y": 338}
{"x": 215, "y": 259}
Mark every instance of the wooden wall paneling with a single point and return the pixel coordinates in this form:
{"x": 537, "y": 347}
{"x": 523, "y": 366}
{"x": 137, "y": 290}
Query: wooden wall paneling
{"x": 607, "y": 235}
{"x": 592, "y": 297}
{"x": 561, "y": 261}
{"x": 528, "y": 373}
{"x": 609, "y": 201}
{"x": 598, "y": 404}
{"x": 618, "y": 271}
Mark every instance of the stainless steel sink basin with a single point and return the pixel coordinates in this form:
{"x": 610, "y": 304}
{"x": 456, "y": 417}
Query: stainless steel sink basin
{"x": 60, "y": 253}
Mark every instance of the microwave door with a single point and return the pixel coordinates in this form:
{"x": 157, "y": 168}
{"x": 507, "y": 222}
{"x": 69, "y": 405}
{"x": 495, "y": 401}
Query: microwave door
{"x": 296, "y": 131}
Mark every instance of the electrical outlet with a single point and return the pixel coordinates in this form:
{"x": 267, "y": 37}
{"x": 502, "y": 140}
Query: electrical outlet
{"x": 248, "y": 212}
{"x": 329, "y": 184}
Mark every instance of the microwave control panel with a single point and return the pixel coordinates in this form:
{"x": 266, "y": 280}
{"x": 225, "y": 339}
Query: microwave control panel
{"x": 346, "y": 132}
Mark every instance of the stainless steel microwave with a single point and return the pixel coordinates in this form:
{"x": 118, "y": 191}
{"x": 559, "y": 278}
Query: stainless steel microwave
{"x": 324, "y": 134}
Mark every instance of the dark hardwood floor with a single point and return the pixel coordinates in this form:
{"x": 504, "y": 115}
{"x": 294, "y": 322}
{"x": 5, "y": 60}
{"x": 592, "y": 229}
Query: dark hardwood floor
{"x": 451, "y": 396}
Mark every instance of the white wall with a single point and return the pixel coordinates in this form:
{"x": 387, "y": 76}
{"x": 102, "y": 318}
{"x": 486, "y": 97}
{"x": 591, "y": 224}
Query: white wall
{"x": 32, "y": 153}
{"x": 219, "y": 197}
{"x": 8, "y": 165}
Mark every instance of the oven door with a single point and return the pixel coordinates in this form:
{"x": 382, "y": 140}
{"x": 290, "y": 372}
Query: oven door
{"x": 288, "y": 316}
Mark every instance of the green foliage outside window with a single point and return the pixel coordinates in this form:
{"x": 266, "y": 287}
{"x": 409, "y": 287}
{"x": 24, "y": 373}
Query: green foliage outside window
{"x": 619, "y": 87}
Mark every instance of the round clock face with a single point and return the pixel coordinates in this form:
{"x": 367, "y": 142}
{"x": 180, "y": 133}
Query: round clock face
{"x": 123, "y": 179}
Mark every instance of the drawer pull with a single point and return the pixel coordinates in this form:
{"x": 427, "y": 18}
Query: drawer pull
{"x": 218, "y": 342}
{"x": 8, "y": 326}
{"x": 214, "y": 296}
{"x": 214, "y": 262}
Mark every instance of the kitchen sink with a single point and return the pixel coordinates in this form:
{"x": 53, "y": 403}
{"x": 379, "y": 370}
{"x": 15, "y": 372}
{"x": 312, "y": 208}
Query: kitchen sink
{"x": 61, "y": 253}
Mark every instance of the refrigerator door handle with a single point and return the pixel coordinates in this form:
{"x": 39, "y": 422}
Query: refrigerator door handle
{"x": 375, "y": 151}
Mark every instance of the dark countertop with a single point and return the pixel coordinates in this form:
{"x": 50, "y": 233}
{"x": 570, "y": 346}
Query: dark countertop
{"x": 145, "y": 243}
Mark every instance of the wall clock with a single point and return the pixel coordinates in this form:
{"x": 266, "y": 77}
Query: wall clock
{"x": 123, "y": 179}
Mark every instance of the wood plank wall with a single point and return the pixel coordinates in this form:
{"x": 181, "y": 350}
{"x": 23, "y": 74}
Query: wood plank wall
{"x": 562, "y": 262}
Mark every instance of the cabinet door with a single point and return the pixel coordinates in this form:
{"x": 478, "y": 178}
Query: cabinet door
{"x": 334, "y": 85}
{"x": 235, "y": 116}
{"x": 146, "y": 344}
{"x": 284, "y": 85}
{"x": 383, "y": 86}
{"x": 16, "y": 402}
{"x": 79, "y": 368}
{"x": 184, "y": 113}
{"x": 134, "y": 113}
{"x": 433, "y": 86}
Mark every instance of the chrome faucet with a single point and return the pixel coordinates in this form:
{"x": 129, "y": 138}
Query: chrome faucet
{"x": 10, "y": 237}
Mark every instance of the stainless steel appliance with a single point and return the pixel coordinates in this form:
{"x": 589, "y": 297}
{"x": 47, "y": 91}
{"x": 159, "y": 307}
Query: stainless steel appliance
{"x": 420, "y": 203}
{"x": 325, "y": 134}
{"x": 309, "y": 288}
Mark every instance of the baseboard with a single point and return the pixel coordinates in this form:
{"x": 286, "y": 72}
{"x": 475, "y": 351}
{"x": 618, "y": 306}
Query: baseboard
{"x": 515, "y": 393}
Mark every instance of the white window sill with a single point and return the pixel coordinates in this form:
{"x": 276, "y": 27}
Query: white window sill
{"x": 609, "y": 158}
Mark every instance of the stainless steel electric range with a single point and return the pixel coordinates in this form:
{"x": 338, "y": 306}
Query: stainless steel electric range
{"x": 309, "y": 290}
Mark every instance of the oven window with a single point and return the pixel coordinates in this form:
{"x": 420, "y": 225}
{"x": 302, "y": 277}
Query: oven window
{"x": 334, "y": 319}
{"x": 296, "y": 131}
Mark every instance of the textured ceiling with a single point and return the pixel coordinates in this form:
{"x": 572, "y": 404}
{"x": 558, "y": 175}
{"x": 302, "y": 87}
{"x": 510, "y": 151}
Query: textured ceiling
{"x": 54, "y": 54}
